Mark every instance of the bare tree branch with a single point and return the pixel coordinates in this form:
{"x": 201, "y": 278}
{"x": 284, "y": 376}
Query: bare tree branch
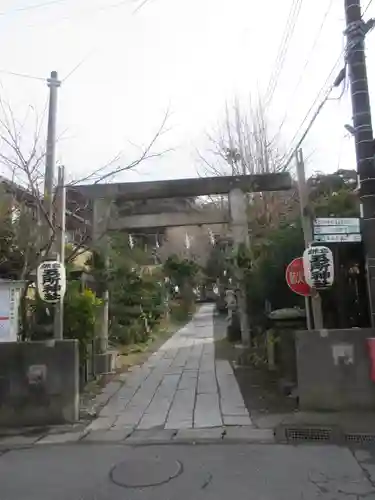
{"x": 241, "y": 145}
{"x": 100, "y": 175}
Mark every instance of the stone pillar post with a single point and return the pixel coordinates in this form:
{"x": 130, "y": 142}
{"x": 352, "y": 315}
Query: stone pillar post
{"x": 240, "y": 234}
{"x": 101, "y": 213}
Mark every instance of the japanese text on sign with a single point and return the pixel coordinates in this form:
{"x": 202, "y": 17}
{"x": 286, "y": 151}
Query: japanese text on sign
{"x": 318, "y": 266}
{"x": 51, "y": 281}
{"x": 296, "y": 278}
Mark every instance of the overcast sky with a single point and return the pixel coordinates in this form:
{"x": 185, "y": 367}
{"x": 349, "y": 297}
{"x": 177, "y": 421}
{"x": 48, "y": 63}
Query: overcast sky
{"x": 190, "y": 56}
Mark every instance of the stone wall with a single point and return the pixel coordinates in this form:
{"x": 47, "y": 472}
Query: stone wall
{"x": 333, "y": 370}
{"x": 39, "y": 383}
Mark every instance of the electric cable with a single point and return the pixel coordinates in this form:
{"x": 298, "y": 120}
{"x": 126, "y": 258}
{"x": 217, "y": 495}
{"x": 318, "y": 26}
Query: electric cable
{"x": 307, "y": 62}
{"x": 283, "y": 49}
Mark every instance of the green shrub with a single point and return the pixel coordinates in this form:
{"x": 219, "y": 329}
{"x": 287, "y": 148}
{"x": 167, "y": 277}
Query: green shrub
{"x": 136, "y": 307}
{"x": 80, "y": 313}
{"x": 180, "y": 310}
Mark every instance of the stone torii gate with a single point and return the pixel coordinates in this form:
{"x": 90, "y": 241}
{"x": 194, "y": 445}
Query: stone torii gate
{"x": 103, "y": 196}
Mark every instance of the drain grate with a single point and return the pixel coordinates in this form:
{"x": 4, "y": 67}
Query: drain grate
{"x": 360, "y": 438}
{"x": 316, "y": 434}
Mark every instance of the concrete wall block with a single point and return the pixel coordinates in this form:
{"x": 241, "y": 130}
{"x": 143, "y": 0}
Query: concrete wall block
{"x": 39, "y": 383}
{"x": 333, "y": 370}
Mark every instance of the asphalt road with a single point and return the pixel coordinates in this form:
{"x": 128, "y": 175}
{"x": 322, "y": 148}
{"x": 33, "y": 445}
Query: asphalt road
{"x": 186, "y": 472}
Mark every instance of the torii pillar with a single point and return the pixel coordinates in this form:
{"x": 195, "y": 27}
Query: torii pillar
{"x": 240, "y": 234}
{"x": 101, "y": 214}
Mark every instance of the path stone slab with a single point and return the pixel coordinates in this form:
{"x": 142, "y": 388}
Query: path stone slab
{"x": 112, "y": 409}
{"x": 228, "y": 407}
{"x": 362, "y": 455}
{"x": 112, "y": 387}
{"x": 249, "y": 434}
{"x": 151, "y": 436}
{"x": 207, "y": 411}
{"x": 207, "y": 383}
{"x": 101, "y": 423}
{"x": 130, "y": 417}
{"x": 237, "y": 420}
{"x": 18, "y": 441}
{"x": 155, "y": 419}
{"x": 110, "y": 436}
{"x": 196, "y": 435}
{"x": 102, "y": 398}
{"x": 182, "y": 410}
{"x": 370, "y": 469}
{"x": 66, "y": 437}
{"x": 189, "y": 380}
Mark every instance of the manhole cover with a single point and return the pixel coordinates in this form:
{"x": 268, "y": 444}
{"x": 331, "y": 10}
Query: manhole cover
{"x": 137, "y": 473}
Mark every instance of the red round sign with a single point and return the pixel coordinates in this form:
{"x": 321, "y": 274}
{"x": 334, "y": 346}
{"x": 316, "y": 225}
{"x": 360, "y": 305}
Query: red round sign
{"x": 295, "y": 277}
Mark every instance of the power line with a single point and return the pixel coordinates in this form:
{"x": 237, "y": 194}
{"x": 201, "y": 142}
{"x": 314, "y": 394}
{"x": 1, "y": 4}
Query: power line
{"x": 106, "y": 8}
{"x": 88, "y": 55}
{"x": 366, "y": 8}
{"x": 281, "y": 52}
{"x": 77, "y": 66}
{"x": 326, "y": 97}
{"x": 318, "y": 96}
{"x": 22, "y": 75}
{"x": 336, "y": 83}
{"x": 308, "y": 59}
{"x": 140, "y": 6}
{"x": 94, "y": 49}
{"x": 31, "y": 7}
{"x": 283, "y": 48}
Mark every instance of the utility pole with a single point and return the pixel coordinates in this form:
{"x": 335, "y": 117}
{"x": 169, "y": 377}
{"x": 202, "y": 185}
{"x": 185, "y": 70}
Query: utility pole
{"x": 356, "y": 30}
{"x": 306, "y": 218}
{"x": 60, "y": 246}
{"x": 49, "y": 176}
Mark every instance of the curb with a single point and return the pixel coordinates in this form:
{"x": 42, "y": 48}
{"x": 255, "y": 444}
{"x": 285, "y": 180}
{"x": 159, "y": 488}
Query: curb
{"x": 231, "y": 435}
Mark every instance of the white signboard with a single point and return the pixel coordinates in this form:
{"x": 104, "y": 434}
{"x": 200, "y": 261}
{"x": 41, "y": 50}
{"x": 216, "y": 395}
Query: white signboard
{"x": 51, "y": 281}
{"x": 338, "y": 238}
{"x": 9, "y": 303}
{"x": 318, "y": 267}
{"x": 337, "y": 221}
{"x": 336, "y": 230}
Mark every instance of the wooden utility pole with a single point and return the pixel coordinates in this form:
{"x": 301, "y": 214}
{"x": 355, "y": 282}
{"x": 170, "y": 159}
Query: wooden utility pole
{"x": 315, "y": 305}
{"x": 356, "y": 30}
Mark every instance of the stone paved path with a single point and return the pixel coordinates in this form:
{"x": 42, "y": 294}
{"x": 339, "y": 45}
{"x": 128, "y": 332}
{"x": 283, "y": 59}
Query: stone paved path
{"x": 181, "y": 386}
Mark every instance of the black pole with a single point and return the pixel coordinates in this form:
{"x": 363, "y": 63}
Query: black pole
{"x": 355, "y": 32}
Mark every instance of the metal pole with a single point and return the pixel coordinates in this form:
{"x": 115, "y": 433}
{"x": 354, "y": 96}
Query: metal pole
{"x": 355, "y": 32}
{"x": 49, "y": 176}
{"x": 60, "y": 246}
{"x": 306, "y": 219}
